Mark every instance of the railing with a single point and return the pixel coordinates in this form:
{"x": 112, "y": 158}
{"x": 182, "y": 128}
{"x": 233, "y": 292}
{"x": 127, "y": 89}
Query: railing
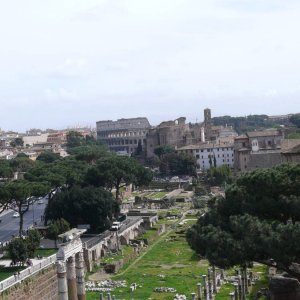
{"x": 17, "y": 278}
{"x": 96, "y": 240}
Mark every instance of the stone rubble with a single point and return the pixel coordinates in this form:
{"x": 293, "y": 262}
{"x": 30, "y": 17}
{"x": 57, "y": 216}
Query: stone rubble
{"x": 180, "y": 297}
{"x": 104, "y": 285}
{"x": 164, "y": 290}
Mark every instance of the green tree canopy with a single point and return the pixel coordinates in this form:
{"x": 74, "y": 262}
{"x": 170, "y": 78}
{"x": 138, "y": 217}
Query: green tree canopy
{"x": 89, "y": 205}
{"x": 17, "y": 250}
{"x": 21, "y": 163}
{"x": 17, "y": 142}
{"x": 164, "y": 149}
{"x": 48, "y": 157}
{"x": 219, "y": 175}
{"x": 75, "y": 139}
{"x": 56, "y": 228}
{"x": 294, "y": 135}
{"x": 21, "y": 248}
{"x": 295, "y": 119}
{"x": 116, "y": 171}
{"x": 89, "y": 153}
{"x": 178, "y": 164}
{"x": 19, "y": 191}
{"x": 33, "y": 240}
{"x": 6, "y": 170}
{"x": 258, "y": 220}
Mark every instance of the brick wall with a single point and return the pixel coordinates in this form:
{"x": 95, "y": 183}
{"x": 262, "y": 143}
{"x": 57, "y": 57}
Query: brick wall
{"x": 42, "y": 286}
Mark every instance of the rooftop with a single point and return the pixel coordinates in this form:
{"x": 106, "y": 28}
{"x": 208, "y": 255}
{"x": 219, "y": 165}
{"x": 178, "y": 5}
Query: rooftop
{"x": 264, "y": 133}
{"x": 205, "y": 146}
{"x": 290, "y": 146}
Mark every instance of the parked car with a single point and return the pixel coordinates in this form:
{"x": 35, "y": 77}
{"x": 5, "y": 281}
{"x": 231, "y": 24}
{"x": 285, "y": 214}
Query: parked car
{"x": 16, "y": 215}
{"x": 40, "y": 201}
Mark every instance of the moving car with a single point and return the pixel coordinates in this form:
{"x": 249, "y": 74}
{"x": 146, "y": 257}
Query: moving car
{"x": 16, "y": 215}
{"x": 115, "y": 226}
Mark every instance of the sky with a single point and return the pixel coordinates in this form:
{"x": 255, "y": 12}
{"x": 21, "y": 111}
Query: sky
{"x": 67, "y": 63}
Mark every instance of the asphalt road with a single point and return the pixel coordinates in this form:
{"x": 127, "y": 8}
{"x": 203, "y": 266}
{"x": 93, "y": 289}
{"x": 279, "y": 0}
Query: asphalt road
{"x": 9, "y": 225}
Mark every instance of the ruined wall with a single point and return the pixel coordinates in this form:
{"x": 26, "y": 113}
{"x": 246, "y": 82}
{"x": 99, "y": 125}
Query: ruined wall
{"x": 264, "y": 160}
{"x": 42, "y": 286}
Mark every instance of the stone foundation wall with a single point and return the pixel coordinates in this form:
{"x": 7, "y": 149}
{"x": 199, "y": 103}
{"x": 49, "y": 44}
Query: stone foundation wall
{"x": 42, "y": 286}
{"x": 264, "y": 160}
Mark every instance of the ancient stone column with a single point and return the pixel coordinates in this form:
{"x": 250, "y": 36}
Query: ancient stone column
{"x": 209, "y": 283}
{"x": 71, "y": 278}
{"x": 222, "y": 274}
{"x": 204, "y": 287}
{"x": 80, "y": 275}
{"x": 108, "y": 296}
{"x": 246, "y": 281}
{"x": 236, "y": 291}
{"x": 251, "y": 276}
{"x": 62, "y": 280}
{"x": 214, "y": 280}
{"x": 199, "y": 292}
{"x": 101, "y": 296}
{"x": 193, "y": 296}
{"x": 240, "y": 287}
{"x": 243, "y": 295}
{"x": 231, "y": 296}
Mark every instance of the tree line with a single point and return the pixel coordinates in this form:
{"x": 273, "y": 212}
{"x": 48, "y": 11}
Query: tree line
{"x": 257, "y": 220}
{"x": 79, "y": 186}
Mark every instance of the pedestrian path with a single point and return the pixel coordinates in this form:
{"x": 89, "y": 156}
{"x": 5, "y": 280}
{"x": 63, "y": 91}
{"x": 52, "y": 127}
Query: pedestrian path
{"x": 7, "y": 262}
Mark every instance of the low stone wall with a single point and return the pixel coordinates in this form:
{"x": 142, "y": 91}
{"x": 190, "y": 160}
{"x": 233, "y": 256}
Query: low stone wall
{"x": 284, "y": 288}
{"x": 41, "y": 286}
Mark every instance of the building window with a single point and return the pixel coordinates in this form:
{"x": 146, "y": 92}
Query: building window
{"x": 202, "y": 150}
{"x": 197, "y": 156}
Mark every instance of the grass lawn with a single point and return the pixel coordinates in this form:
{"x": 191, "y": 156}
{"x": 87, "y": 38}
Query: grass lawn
{"x": 44, "y": 252}
{"x": 159, "y": 195}
{"x": 169, "y": 262}
{"x": 6, "y": 272}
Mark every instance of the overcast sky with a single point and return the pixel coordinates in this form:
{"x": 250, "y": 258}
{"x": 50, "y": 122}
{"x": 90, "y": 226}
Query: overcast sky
{"x": 74, "y": 62}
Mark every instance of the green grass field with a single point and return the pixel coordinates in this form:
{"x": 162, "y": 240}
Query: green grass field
{"x": 6, "y": 272}
{"x": 168, "y": 262}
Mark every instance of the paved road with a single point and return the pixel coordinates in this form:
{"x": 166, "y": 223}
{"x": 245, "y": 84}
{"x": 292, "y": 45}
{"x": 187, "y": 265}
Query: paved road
{"x": 10, "y": 226}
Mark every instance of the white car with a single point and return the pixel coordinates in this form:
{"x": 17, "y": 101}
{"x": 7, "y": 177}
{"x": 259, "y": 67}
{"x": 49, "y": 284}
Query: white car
{"x": 40, "y": 201}
{"x": 16, "y": 215}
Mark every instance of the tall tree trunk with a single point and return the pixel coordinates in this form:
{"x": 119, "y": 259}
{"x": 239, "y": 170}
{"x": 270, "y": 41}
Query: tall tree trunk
{"x": 21, "y": 221}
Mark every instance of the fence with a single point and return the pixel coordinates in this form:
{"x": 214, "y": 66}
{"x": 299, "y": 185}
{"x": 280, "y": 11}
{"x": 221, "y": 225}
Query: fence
{"x": 17, "y": 278}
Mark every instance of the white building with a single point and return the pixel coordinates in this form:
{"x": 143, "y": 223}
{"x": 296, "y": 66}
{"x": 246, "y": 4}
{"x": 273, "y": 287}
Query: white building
{"x": 210, "y": 154}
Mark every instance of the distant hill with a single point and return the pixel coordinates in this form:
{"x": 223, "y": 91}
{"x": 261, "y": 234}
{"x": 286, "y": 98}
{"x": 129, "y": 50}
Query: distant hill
{"x": 252, "y": 122}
